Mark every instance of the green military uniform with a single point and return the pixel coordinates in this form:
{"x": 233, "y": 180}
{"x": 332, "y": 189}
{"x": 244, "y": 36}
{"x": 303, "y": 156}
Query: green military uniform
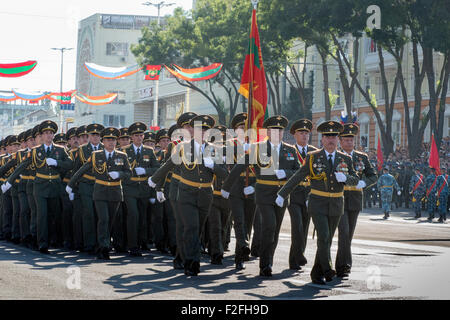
{"x": 149, "y": 140}
{"x": 326, "y": 198}
{"x": 194, "y": 190}
{"x": 353, "y": 198}
{"x": 86, "y": 188}
{"x": 298, "y": 211}
{"x": 2, "y": 180}
{"x": 143, "y": 164}
{"x": 109, "y": 170}
{"x": 273, "y": 166}
{"x": 49, "y": 162}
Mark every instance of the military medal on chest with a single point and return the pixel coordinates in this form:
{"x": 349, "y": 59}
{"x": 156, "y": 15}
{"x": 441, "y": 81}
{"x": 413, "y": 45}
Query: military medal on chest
{"x": 342, "y": 167}
{"x": 359, "y": 166}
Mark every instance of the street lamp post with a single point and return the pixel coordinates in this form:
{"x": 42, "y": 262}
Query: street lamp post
{"x": 61, "y": 111}
{"x": 159, "y": 5}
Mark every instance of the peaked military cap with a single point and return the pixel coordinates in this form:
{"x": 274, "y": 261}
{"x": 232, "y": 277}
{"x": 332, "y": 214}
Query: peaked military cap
{"x": 204, "y": 121}
{"x": 330, "y": 128}
{"x": 276, "y": 122}
{"x": 238, "y": 119}
{"x": 137, "y": 127}
{"x": 110, "y": 132}
{"x": 124, "y": 133}
{"x": 60, "y": 138}
{"x": 171, "y": 130}
{"x": 48, "y": 125}
{"x": 28, "y": 134}
{"x": 185, "y": 118}
{"x": 35, "y": 131}
{"x": 301, "y": 125}
{"x": 350, "y": 130}
{"x": 20, "y": 137}
{"x": 149, "y": 136}
{"x": 72, "y": 132}
{"x": 94, "y": 128}
{"x": 162, "y": 133}
{"x": 222, "y": 129}
{"x": 10, "y": 140}
{"x": 81, "y": 130}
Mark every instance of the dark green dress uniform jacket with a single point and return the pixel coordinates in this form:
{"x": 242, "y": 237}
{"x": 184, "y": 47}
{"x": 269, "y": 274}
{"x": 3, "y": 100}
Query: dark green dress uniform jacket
{"x": 267, "y": 183}
{"x": 241, "y": 181}
{"x": 47, "y": 182}
{"x": 191, "y": 170}
{"x": 365, "y": 171}
{"x": 300, "y": 194}
{"x": 323, "y": 181}
{"x": 11, "y": 163}
{"x": 137, "y": 186}
{"x": 84, "y": 152}
{"x": 105, "y": 188}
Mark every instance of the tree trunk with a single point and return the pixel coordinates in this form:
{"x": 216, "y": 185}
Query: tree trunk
{"x": 323, "y": 55}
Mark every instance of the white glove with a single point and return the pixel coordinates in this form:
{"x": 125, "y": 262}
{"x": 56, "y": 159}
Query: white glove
{"x": 225, "y": 194}
{"x": 139, "y": 171}
{"x": 399, "y": 193}
{"x": 114, "y": 175}
{"x": 306, "y": 203}
{"x": 68, "y": 190}
{"x": 279, "y": 201}
{"x": 151, "y": 183}
{"x": 340, "y": 177}
{"x": 152, "y": 200}
{"x": 280, "y": 174}
{"x": 249, "y": 190}
{"x": 361, "y": 184}
{"x": 246, "y": 147}
{"x": 71, "y": 196}
{"x": 160, "y": 196}
{"x": 51, "y": 162}
{"x": 208, "y": 162}
{"x": 6, "y": 186}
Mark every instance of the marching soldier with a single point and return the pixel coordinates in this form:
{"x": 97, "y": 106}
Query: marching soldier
{"x": 274, "y": 162}
{"x": 195, "y": 192}
{"x": 242, "y": 197}
{"x": 298, "y": 211}
{"x": 143, "y": 164}
{"x": 417, "y": 190}
{"x": 386, "y": 183}
{"x": 109, "y": 167}
{"x": 49, "y": 161}
{"x": 442, "y": 194}
{"x": 430, "y": 196}
{"x": 329, "y": 170}
{"x": 63, "y": 219}
{"x": 149, "y": 141}
{"x": 85, "y": 185}
{"x": 82, "y": 134}
{"x": 409, "y": 173}
{"x": 353, "y": 198}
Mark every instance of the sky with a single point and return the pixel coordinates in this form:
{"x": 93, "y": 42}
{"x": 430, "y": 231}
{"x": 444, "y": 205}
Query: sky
{"x": 30, "y": 28}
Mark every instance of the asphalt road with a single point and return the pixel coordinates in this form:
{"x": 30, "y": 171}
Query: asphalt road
{"x": 399, "y": 258}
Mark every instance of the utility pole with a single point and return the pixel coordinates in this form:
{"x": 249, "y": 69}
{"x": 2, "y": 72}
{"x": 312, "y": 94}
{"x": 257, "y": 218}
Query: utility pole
{"x": 159, "y": 5}
{"x": 61, "y": 111}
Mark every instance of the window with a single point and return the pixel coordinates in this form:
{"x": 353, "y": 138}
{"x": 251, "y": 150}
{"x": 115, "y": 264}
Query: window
{"x": 338, "y": 93}
{"x": 372, "y": 46}
{"x": 396, "y": 134}
{"x": 364, "y": 136}
{"x": 367, "y": 83}
{"x": 120, "y": 97}
{"x": 117, "y": 49}
{"x": 110, "y": 120}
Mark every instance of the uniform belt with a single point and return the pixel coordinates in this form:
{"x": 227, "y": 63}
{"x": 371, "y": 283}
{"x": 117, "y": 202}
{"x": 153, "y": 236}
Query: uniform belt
{"x": 108, "y": 183}
{"x": 17, "y": 181}
{"x": 27, "y": 177}
{"x": 88, "y": 177}
{"x": 195, "y": 184}
{"x": 351, "y": 188}
{"x": 48, "y": 177}
{"x": 140, "y": 179}
{"x": 176, "y": 176}
{"x": 2, "y": 179}
{"x": 66, "y": 180}
{"x": 304, "y": 184}
{"x": 251, "y": 174}
{"x": 217, "y": 193}
{"x": 327, "y": 194}
{"x": 271, "y": 182}
{"x": 168, "y": 180}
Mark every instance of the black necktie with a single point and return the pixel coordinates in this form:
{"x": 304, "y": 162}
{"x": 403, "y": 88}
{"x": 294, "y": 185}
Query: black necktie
{"x": 303, "y": 153}
{"x": 95, "y": 148}
{"x": 330, "y": 162}
{"x": 138, "y": 153}
{"x": 48, "y": 151}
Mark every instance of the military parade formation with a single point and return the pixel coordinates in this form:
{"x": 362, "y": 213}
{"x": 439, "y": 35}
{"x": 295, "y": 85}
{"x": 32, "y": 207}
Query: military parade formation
{"x": 184, "y": 191}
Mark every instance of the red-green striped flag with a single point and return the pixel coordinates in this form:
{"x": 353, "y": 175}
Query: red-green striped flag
{"x": 253, "y": 80}
{"x": 14, "y": 70}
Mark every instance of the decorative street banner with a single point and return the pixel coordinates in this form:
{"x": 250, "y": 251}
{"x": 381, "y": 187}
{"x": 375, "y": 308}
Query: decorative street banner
{"x": 6, "y": 97}
{"x": 14, "y": 70}
{"x": 62, "y": 97}
{"x": 196, "y": 74}
{"x": 96, "y": 101}
{"x": 152, "y": 72}
{"x": 31, "y": 97}
{"x": 110, "y": 72}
